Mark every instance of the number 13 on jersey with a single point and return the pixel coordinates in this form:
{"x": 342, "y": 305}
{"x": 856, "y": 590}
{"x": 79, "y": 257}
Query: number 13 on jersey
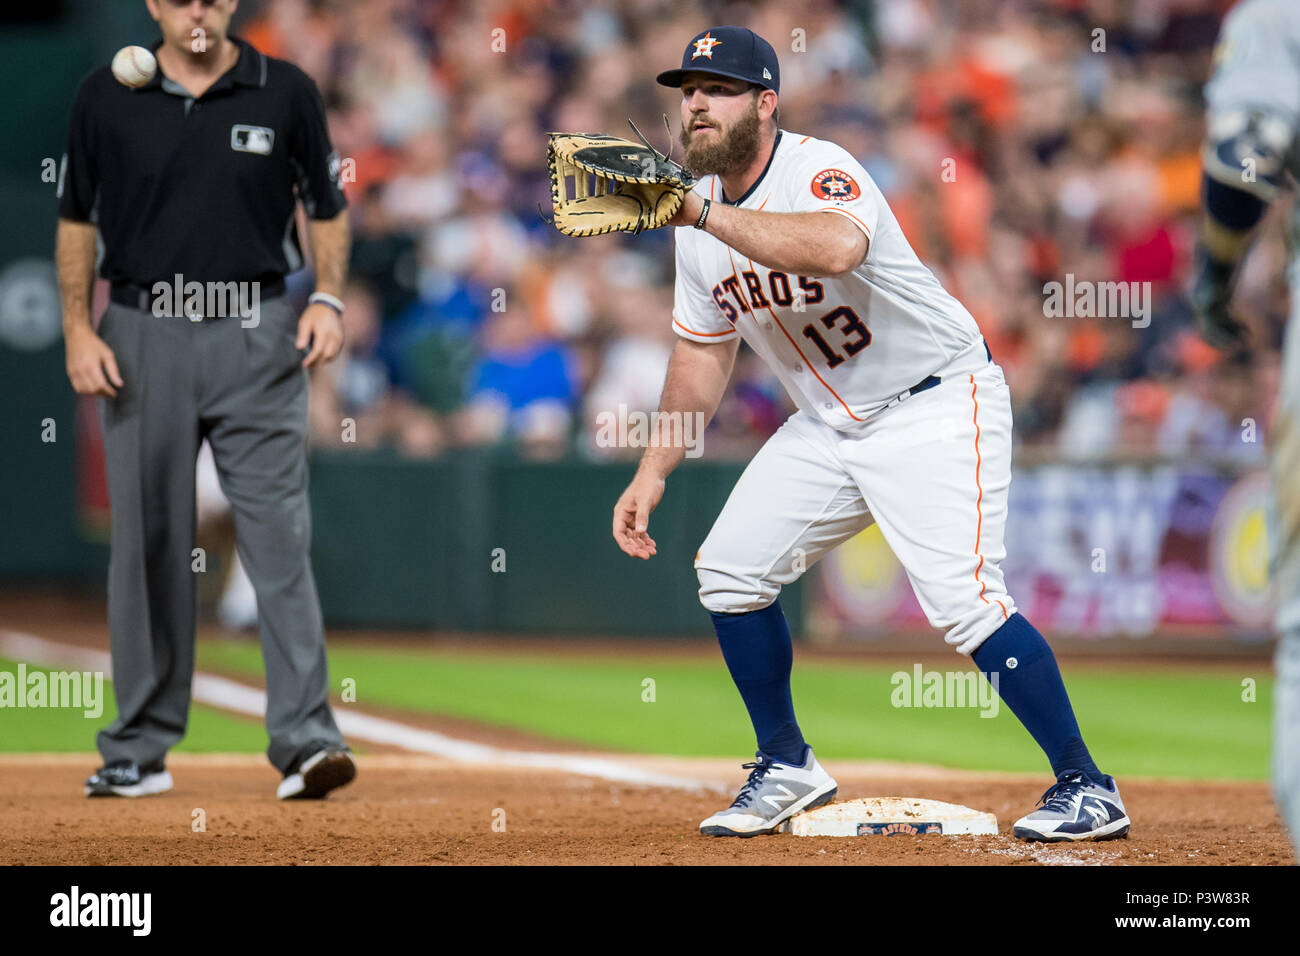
{"x": 856, "y": 336}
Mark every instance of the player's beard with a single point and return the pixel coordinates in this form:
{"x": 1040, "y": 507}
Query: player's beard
{"x": 733, "y": 150}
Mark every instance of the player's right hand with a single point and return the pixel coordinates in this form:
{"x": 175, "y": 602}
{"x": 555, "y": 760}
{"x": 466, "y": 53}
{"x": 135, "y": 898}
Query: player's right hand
{"x": 632, "y": 515}
{"x": 91, "y": 365}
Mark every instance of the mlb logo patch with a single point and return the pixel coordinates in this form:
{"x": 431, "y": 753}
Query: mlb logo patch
{"x": 252, "y": 139}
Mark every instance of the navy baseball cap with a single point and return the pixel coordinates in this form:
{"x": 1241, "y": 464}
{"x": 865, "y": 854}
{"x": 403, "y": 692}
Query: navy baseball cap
{"x": 728, "y": 51}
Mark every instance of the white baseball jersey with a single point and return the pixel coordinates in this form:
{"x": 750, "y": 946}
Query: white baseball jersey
{"x": 845, "y": 346}
{"x": 932, "y": 469}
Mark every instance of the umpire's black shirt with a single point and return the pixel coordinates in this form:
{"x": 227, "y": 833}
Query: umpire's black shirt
{"x": 201, "y": 187}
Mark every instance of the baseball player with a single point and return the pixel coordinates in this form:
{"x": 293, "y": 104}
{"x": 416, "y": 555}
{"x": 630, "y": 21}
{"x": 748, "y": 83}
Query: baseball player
{"x": 192, "y": 180}
{"x": 1251, "y": 156}
{"x": 903, "y": 420}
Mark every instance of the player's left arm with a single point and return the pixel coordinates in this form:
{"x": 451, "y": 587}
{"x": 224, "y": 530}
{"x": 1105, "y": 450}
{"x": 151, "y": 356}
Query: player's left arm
{"x": 800, "y": 243}
{"x": 1253, "y": 116}
{"x": 1242, "y": 173}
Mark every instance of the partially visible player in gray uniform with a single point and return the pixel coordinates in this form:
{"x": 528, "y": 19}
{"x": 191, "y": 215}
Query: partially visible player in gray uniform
{"x": 1252, "y": 154}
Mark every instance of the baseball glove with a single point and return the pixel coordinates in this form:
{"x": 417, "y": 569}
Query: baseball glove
{"x": 617, "y": 184}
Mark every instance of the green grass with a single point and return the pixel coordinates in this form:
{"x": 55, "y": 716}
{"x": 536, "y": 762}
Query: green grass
{"x": 1137, "y": 722}
{"x": 59, "y": 730}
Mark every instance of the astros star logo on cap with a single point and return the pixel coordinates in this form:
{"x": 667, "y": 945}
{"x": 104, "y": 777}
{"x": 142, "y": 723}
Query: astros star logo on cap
{"x": 704, "y": 46}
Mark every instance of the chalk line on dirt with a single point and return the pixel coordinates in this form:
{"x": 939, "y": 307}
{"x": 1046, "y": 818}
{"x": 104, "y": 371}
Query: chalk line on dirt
{"x": 242, "y": 699}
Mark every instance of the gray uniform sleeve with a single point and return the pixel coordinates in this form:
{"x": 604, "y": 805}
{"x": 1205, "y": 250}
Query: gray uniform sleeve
{"x": 1257, "y": 61}
{"x": 1253, "y": 98}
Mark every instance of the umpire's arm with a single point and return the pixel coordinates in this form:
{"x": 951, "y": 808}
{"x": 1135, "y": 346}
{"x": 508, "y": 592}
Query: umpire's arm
{"x": 317, "y": 168}
{"x": 331, "y": 240}
{"x": 320, "y": 324}
{"x": 90, "y": 364}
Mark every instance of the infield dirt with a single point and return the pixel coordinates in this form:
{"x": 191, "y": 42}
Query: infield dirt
{"x": 424, "y": 810}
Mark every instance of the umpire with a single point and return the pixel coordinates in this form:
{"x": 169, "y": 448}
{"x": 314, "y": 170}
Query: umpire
{"x": 191, "y": 181}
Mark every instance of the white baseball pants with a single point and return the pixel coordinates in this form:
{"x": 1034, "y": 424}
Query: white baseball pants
{"x": 932, "y": 471}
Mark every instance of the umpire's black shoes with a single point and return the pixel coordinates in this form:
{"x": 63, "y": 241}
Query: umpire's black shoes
{"x": 124, "y": 778}
{"x": 326, "y": 768}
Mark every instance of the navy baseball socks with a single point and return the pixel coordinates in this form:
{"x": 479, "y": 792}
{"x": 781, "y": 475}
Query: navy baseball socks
{"x": 756, "y": 646}
{"x": 1029, "y": 682}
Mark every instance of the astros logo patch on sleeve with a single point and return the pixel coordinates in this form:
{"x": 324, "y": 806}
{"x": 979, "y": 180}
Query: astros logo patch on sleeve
{"x": 835, "y": 184}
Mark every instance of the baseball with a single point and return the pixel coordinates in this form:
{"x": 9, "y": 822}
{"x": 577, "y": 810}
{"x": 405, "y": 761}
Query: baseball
{"x": 134, "y": 66}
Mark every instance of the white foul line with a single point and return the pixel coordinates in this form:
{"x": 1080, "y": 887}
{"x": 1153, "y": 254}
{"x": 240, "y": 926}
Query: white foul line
{"x": 242, "y": 699}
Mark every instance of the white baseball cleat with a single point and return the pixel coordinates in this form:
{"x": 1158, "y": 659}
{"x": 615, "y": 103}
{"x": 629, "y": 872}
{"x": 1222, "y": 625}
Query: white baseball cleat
{"x": 1075, "y": 808}
{"x": 774, "y": 792}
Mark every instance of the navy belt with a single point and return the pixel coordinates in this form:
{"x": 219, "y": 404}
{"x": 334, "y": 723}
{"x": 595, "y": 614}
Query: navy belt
{"x": 930, "y": 381}
{"x": 139, "y": 297}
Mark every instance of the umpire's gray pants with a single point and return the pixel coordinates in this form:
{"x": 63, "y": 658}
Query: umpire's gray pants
{"x": 245, "y": 390}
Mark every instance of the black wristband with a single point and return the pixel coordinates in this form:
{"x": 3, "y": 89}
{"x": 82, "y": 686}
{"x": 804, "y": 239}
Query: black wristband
{"x": 704, "y": 214}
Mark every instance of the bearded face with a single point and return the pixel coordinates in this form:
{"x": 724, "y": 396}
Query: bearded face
{"x": 720, "y": 149}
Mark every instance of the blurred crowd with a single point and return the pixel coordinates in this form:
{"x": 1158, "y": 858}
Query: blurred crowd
{"x": 1017, "y": 141}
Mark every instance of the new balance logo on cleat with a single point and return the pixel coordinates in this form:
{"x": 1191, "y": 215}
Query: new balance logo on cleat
{"x": 1099, "y": 816}
{"x": 773, "y": 793}
{"x": 779, "y": 800}
{"x": 1076, "y": 808}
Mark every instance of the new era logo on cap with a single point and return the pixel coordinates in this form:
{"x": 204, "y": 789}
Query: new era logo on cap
{"x": 728, "y": 51}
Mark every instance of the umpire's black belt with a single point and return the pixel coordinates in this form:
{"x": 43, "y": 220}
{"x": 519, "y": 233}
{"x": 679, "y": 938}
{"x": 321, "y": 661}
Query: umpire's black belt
{"x": 143, "y": 298}
{"x": 930, "y": 381}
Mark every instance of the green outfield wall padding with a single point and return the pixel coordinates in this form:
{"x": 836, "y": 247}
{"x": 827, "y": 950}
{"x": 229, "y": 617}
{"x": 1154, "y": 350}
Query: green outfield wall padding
{"x": 478, "y": 542}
